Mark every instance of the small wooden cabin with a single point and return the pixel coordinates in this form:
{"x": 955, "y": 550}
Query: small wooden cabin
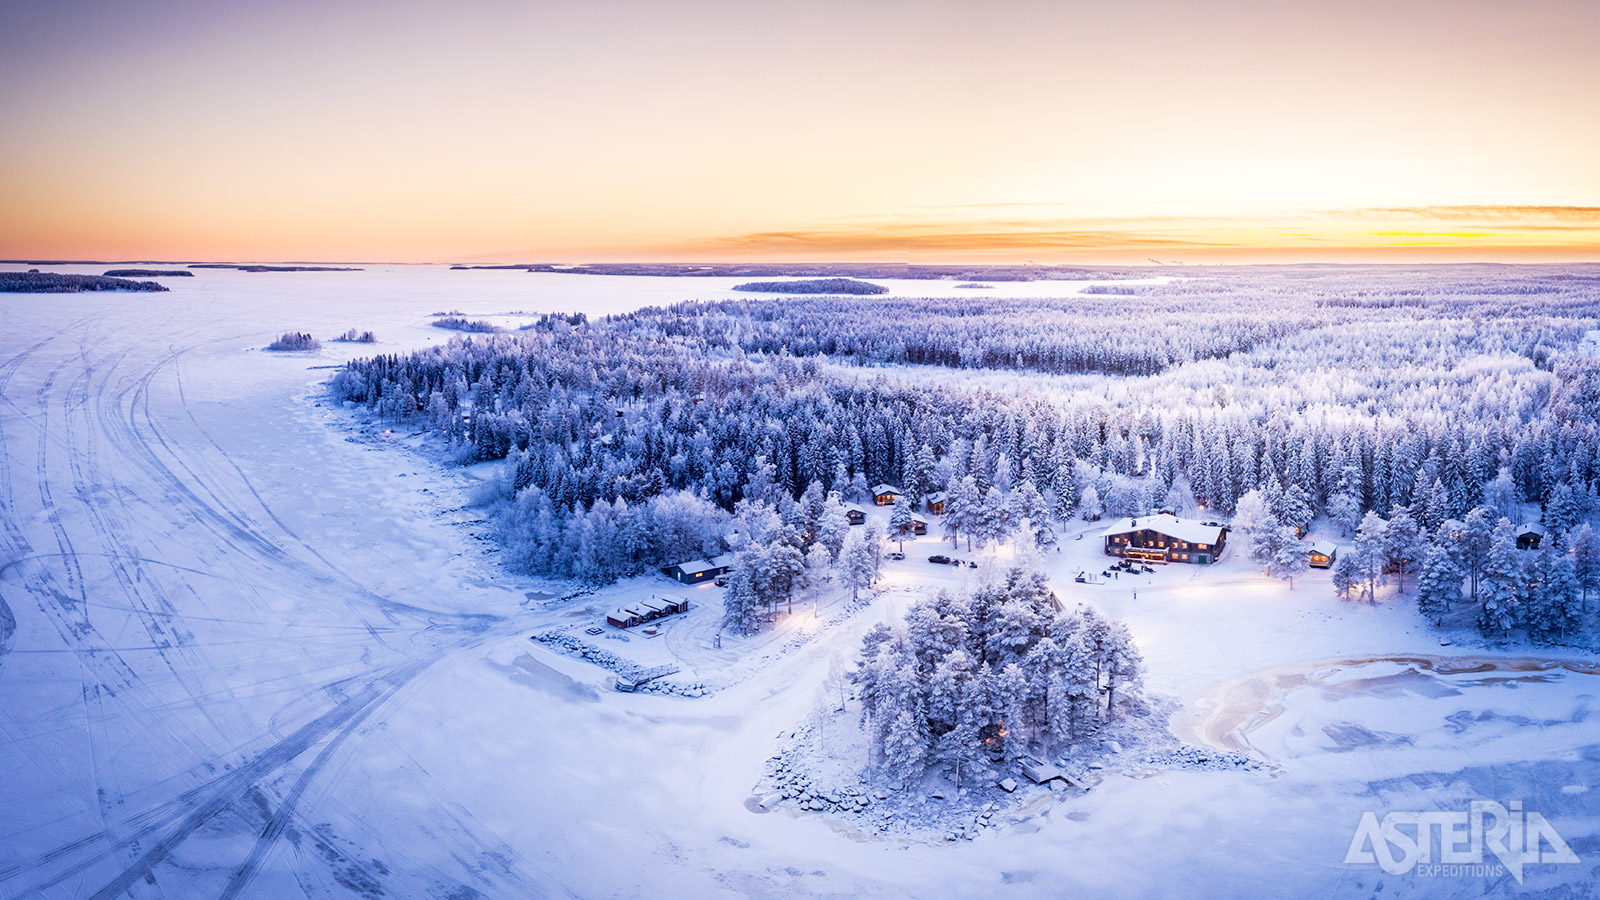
{"x": 936, "y": 502}
{"x": 1323, "y": 553}
{"x": 1529, "y": 535}
{"x": 886, "y": 494}
{"x": 918, "y": 526}
{"x": 855, "y": 515}
{"x": 1165, "y": 538}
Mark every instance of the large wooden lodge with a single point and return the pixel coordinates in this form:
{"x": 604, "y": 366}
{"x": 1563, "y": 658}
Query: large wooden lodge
{"x": 1165, "y": 538}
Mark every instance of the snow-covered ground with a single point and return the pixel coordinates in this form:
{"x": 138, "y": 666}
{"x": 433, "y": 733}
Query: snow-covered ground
{"x": 248, "y": 648}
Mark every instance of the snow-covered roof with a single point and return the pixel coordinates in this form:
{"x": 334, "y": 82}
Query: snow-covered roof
{"x": 725, "y": 561}
{"x": 1532, "y": 528}
{"x": 695, "y": 567}
{"x": 938, "y": 497}
{"x": 886, "y": 489}
{"x": 1324, "y": 548}
{"x": 855, "y": 508}
{"x": 1183, "y": 529}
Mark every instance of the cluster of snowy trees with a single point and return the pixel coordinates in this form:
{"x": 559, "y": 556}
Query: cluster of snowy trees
{"x": 458, "y": 323}
{"x": 1473, "y": 566}
{"x": 793, "y": 547}
{"x": 966, "y": 679}
{"x": 1434, "y": 394}
{"x": 608, "y": 540}
{"x": 295, "y": 340}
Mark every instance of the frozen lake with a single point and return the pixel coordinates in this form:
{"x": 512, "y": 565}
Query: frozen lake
{"x": 252, "y": 655}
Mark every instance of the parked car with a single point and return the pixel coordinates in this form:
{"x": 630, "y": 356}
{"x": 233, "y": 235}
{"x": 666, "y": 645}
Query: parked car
{"x": 895, "y": 555}
{"x": 722, "y": 581}
{"x": 972, "y": 565}
{"x": 938, "y": 559}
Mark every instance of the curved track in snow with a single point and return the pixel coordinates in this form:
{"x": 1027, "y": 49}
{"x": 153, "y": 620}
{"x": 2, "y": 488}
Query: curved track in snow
{"x": 187, "y": 668}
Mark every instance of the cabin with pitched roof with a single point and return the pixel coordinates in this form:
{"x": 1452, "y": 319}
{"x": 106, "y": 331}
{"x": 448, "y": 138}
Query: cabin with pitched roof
{"x": 1529, "y": 535}
{"x": 699, "y": 571}
{"x": 886, "y": 494}
{"x": 1323, "y": 553}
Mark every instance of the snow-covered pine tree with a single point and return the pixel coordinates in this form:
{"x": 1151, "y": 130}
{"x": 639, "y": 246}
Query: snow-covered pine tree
{"x": 1346, "y": 575}
{"x": 1477, "y": 533}
{"x": 1401, "y": 542}
{"x": 900, "y": 523}
{"x": 741, "y": 605}
{"x": 1013, "y": 700}
{"x": 1553, "y": 608}
{"x": 874, "y": 542}
{"x": 905, "y": 748}
{"x": 1089, "y": 504}
{"x": 993, "y": 521}
{"x": 1370, "y": 552}
{"x": 962, "y": 509}
{"x": 1585, "y": 544}
{"x": 856, "y": 563}
{"x": 1123, "y": 669}
{"x": 1439, "y": 585}
{"x": 833, "y": 525}
{"x": 1500, "y": 589}
{"x": 1291, "y": 558}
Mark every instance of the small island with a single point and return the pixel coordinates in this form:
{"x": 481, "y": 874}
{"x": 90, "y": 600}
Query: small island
{"x": 37, "y": 282}
{"x": 149, "y": 273}
{"x": 254, "y": 268}
{"x": 813, "y": 286}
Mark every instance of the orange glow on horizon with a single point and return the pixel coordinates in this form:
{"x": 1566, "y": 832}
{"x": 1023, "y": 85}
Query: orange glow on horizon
{"x": 350, "y": 131}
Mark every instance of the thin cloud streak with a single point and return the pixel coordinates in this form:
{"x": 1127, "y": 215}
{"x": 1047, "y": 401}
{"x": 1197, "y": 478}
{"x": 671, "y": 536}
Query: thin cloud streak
{"x": 1517, "y": 230}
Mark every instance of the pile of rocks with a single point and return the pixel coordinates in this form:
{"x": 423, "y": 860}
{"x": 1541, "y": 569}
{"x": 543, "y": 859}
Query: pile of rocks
{"x": 662, "y": 686}
{"x": 797, "y": 788}
{"x": 983, "y": 820}
{"x": 568, "y": 645}
{"x": 571, "y": 646}
{"x": 1200, "y": 758}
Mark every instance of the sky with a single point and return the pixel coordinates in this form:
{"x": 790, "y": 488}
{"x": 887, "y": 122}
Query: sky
{"x": 1004, "y": 131}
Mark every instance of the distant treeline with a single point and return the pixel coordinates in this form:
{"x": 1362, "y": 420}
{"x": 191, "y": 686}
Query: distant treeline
{"x": 57, "y": 283}
{"x": 831, "y": 270}
{"x": 149, "y": 273}
{"x": 813, "y": 286}
{"x": 273, "y": 268}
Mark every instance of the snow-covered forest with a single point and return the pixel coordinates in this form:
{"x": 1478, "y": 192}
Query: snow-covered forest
{"x": 634, "y": 439}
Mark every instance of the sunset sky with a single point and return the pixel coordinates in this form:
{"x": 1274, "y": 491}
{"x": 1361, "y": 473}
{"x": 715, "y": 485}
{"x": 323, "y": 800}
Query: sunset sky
{"x": 1003, "y": 131}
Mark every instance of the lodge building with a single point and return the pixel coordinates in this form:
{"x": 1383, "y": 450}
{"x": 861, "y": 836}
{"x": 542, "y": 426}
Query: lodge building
{"x": 1165, "y": 538}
